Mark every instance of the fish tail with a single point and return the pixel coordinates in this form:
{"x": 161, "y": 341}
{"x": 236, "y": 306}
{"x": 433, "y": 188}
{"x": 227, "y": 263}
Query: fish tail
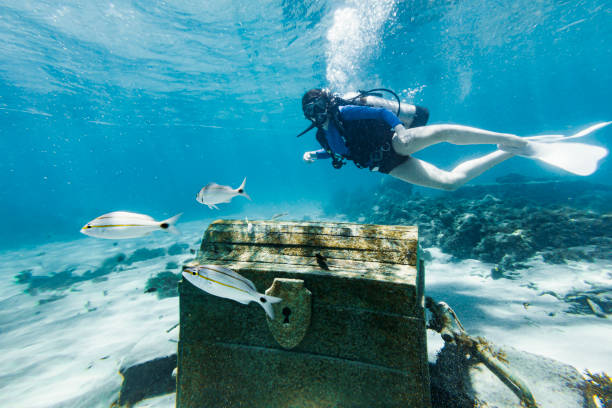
{"x": 266, "y": 302}
{"x": 241, "y": 190}
{"x": 169, "y": 224}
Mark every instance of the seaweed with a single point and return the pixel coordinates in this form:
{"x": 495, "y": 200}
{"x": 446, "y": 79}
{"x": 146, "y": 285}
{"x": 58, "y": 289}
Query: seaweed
{"x": 599, "y": 386}
{"x": 144, "y": 254}
{"x": 24, "y": 276}
{"x": 178, "y": 249}
{"x": 66, "y": 278}
{"x": 164, "y": 284}
{"x": 50, "y": 299}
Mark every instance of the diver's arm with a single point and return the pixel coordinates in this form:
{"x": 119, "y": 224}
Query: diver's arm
{"x": 322, "y": 154}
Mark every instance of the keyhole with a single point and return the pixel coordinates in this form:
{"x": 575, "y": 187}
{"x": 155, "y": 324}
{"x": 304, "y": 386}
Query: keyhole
{"x": 286, "y": 312}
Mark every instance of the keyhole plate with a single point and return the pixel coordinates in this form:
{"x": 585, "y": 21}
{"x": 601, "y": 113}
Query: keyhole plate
{"x": 292, "y": 314}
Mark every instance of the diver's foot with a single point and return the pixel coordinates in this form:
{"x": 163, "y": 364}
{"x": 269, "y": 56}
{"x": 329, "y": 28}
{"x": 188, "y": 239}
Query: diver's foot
{"x": 514, "y": 142}
{"x": 526, "y": 149}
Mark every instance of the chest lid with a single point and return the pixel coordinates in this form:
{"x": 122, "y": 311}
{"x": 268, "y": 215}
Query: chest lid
{"x": 358, "y": 251}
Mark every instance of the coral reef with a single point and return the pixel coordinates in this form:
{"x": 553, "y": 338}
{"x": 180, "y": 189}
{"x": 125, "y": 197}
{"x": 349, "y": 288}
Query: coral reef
{"x": 599, "y": 386}
{"x": 505, "y": 223}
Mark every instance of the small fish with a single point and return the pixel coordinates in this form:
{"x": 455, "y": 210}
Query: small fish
{"x": 322, "y": 261}
{"x": 213, "y": 193}
{"x": 224, "y": 282}
{"x": 275, "y": 216}
{"x": 123, "y": 224}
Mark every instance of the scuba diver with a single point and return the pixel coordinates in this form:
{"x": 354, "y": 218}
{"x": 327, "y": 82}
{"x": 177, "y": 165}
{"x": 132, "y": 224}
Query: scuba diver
{"x": 381, "y": 135}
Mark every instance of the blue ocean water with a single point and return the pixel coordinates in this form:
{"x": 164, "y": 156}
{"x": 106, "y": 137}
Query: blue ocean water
{"x": 132, "y": 105}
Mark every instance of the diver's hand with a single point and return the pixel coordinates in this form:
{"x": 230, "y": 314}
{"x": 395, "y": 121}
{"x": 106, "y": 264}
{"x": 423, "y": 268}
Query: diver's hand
{"x": 399, "y": 128}
{"x": 309, "y": 157}
{"x": 403, "y": 135}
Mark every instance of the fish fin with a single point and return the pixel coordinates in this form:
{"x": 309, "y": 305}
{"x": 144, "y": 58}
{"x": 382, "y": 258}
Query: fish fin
{"x": 211, "y": 185}
{"x": 117, "y": 214}
{"x": 169, "y": 224}
{"x": 240, "y": 190}
{"x": 266, "y": 302}
{"x": 214, "y": 206}
{"x": 242, "y": 185}
{"x": 577, "y": 158}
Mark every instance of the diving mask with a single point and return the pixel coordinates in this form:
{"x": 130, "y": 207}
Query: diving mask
{"x": 316, "y": 111}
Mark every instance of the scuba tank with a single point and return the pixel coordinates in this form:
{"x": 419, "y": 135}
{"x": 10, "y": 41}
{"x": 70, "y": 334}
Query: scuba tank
{"x": 410, "y": 115}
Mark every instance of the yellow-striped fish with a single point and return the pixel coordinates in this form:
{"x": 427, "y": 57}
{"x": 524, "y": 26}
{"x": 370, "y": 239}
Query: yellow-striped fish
{"x": 224, "y": 282}
{"x": 123, "y": 224}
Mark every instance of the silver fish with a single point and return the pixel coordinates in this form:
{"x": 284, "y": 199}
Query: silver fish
{"x": 213, "y": 193}
{"x": 224, "y": 282}
{"x": 123, "y": 224}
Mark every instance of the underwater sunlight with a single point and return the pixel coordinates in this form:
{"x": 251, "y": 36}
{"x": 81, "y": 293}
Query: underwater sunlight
{"x": 438, "y": 234}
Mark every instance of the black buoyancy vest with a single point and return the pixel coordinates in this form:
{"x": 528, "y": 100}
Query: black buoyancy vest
{"x": 364, "y": 137}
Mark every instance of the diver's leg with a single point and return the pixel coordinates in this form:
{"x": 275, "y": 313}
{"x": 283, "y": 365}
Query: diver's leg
{"x": 412, "y": 140}
{"x": 424, "y": 174}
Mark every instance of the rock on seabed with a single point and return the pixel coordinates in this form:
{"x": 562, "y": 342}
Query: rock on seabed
{"x": 459, "y": 382}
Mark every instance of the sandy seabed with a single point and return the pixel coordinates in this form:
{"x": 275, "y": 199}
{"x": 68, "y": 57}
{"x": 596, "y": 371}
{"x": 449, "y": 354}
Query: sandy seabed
{"x": 64, "y": 347}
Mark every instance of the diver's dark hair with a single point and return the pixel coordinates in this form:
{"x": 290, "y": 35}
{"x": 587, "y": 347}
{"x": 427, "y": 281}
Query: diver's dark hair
{"x": 313, "y": 94}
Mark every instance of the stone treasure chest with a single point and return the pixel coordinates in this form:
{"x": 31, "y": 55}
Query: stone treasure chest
{"x": 350, "y": 331}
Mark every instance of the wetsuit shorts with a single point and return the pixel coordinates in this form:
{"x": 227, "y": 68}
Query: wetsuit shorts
{"x": 390, "y": 158}
{"x": 389, "y": 161}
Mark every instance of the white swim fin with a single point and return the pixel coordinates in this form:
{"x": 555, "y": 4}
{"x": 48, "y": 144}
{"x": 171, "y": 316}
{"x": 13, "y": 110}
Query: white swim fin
{"x": 576, "y": 158}
{"x": 559, "y": 138}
